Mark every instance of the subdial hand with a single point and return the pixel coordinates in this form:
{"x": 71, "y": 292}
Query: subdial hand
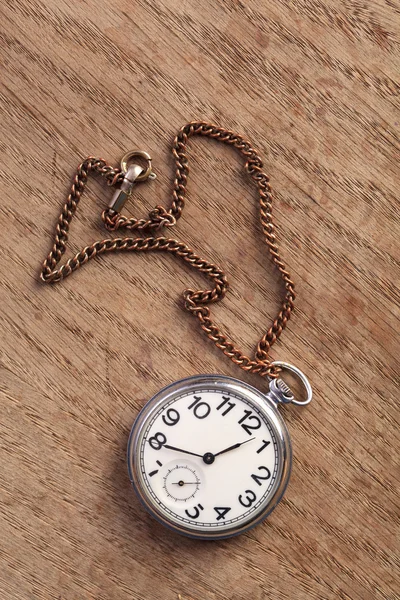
{"x": 234, "y": 446}
{"x": 181, "y": 483}
{"x": 180, "y": 450}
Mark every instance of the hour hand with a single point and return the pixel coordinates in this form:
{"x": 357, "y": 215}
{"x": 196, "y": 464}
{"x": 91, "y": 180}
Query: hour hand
{"x": 180, "y": 450}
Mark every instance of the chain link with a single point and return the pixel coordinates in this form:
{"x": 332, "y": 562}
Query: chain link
{"x": 196, "y": 301}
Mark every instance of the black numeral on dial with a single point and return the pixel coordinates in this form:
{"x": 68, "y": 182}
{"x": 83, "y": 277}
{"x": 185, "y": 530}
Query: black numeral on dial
{"x": 249, "y": 422}
{"x": 247, "y": 500}
{"x": 265, "y": 444}
{"x": 260, "y": 478}
{"x": 171, "y": 417}
{"x": 201, "y": 410}
{"x": 155, "y": 470}
{"x": 196, "y": 512}
{"x": 226, "y": 402}
{"x": 157, "y": 441}
{"x": 221, "y": 511}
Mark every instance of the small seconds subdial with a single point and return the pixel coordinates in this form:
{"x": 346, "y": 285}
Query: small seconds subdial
{"x": 181, "y": 483}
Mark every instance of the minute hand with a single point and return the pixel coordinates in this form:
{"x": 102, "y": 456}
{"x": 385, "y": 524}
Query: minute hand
{"x": 180, "y": 450}
{"x": 233, "y": 447}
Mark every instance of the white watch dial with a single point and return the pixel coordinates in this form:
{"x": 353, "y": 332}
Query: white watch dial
{"x": 208, "y": 458}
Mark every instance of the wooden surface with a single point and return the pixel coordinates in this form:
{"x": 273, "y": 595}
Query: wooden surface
{"x": 312, "y": 84}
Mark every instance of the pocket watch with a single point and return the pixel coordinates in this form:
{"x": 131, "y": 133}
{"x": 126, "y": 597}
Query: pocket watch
{"x": 209, "y": 456}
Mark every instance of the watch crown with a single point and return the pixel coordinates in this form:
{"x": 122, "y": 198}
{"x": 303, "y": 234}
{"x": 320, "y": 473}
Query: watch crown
{"x": 284, "y": 388}
{"x": 280, "y": 392}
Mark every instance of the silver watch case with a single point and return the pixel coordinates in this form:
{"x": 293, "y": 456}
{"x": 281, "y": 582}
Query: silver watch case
{"x": 227, "y": 384}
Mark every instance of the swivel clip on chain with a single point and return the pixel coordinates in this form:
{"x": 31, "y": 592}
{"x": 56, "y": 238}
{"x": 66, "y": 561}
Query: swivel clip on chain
{"x": 132, "y": 174}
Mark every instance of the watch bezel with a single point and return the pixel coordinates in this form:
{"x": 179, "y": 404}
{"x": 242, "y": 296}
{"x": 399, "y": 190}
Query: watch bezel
{"x": 236, "y": 386}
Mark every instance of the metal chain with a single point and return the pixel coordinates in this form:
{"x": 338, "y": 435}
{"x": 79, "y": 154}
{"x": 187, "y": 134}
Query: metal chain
{"x": 196, "y": 301}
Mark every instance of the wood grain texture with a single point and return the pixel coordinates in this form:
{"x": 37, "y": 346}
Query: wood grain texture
{"x": 313, "y": 85}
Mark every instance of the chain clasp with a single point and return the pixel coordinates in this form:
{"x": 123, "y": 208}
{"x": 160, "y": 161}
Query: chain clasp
{"x": 132, "y": 174}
